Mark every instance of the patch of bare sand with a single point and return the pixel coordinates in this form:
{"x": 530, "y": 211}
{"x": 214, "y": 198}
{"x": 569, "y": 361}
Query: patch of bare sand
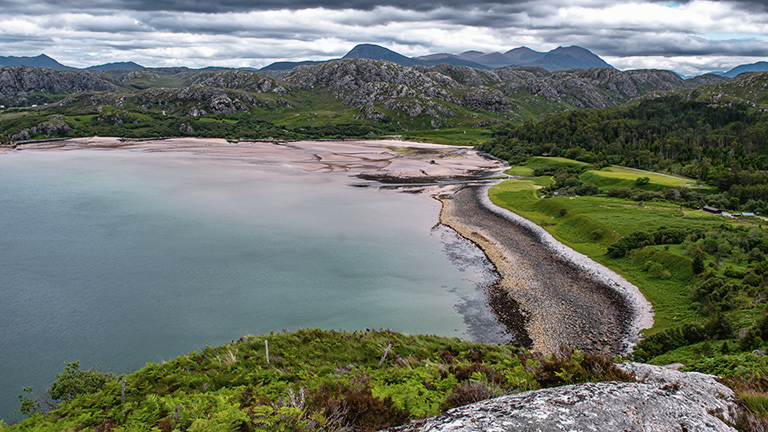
{"x": 372, "y": 157}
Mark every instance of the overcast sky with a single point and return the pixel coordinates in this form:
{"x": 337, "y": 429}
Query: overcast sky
{"x": 690, "y": 37}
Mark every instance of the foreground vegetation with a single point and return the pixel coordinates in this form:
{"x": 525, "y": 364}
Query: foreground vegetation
{"x": 306, "y": 380}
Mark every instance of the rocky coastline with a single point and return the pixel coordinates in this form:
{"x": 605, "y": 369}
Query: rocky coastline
{"x": 562, "y": 297}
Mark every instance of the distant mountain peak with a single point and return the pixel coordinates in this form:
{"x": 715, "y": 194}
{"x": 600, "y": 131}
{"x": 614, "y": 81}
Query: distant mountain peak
{"x": 752, "y": 67}
{"x": 41, "y": 60}
{"x": 373, "y": 52}
{"x": 376, "y": 52}
{"x": 116, "y": 66}
{"x": 572, "y": 57}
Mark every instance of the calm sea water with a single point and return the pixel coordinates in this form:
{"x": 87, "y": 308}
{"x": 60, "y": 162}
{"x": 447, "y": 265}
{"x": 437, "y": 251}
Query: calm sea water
{"x": 118, "y": 259}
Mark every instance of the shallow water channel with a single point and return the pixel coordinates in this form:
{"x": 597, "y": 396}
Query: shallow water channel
{"x": 119, "y": 258}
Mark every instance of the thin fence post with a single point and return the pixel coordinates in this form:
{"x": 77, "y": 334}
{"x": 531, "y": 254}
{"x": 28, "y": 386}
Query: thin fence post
{"x": 386, "y": 351}
{"x": 266, "y": 346}
{"x": 123, "y": 390}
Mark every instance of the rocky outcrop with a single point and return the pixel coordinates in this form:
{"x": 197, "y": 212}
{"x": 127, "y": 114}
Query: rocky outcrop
{"x": 350, "y": 75}
{"x": 196, "y": 101}
{"x": 20, "y": 81}
{"x": 662, "y": 400}
{"x": 703, "y": 80}
{"x": 486, "y": 99}
{"x": 239, "y": 80}
{"x": 54, "y": 127}
{"x": 750, "y": 88}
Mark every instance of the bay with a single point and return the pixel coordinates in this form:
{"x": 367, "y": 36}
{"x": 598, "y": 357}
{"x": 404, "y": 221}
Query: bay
{"x": 119, "y": 258}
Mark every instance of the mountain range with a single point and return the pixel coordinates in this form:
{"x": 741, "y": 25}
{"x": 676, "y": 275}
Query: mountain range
{"x": 561, "y": 58}
{"x": 327, "y": 99}
{"x": 43, "y": 61}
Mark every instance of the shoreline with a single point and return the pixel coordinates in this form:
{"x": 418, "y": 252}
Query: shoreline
{"x": 640, "y": 307}
{"x": 542, "y": 318}
{"x": 564, "y": 297}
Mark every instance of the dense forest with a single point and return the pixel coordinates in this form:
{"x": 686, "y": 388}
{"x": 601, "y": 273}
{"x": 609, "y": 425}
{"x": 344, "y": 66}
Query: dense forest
{"x": 724, "y": 145}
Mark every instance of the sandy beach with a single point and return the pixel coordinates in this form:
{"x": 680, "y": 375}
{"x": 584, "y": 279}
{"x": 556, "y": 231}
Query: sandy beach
{"x": 547, "y": 294}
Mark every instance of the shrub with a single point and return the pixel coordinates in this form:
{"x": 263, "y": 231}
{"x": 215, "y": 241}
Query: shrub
{"x": 718, "y": 327}
{"x": 751, "y": 340}
{"x": 641, "y": 181}
{"x": 569, "y": 366}
{"x": 646, "y": 196}
{"x": 73, "y": 382}
{"x": 469, "y": 392}
{"x": 698, "y": 265}
{"x": 623, "y": 193}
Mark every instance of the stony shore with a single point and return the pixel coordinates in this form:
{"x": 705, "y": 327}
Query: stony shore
{"x": 564, "y": 297}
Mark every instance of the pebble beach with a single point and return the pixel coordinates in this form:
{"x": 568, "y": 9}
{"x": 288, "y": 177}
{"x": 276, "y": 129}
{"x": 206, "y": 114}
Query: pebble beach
{"x": 564, "y": 297}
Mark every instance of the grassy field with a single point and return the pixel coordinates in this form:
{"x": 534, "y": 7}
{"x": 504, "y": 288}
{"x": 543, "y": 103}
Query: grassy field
{"x": 450, "y": 136}
{"x": 621, "y": 177}
{"x": 537, "y": 162}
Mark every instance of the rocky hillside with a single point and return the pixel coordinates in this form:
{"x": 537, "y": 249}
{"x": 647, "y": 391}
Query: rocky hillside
{"x": 750, "y": 87}
{"x": 373, "y": 86}
{"x": 238, "y": 79}
{"x": 441, "y": 90}
{"x": 382, "y": 96}
{"x": 17, "y": 82}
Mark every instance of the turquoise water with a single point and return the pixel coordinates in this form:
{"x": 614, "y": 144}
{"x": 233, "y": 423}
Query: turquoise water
{"x": 118, "y": 258}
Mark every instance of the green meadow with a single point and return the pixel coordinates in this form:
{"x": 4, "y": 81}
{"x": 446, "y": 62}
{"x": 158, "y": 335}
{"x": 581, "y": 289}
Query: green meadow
{"x": 617, "y": 177}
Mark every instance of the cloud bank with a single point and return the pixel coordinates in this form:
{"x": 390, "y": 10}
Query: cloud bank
{"x": 690, "y": 37}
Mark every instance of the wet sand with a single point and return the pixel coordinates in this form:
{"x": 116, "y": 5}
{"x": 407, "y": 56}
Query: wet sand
{"x": 375, "y": 160}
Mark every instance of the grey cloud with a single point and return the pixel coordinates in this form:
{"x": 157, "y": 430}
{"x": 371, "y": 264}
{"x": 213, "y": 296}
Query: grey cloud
{"x": 641, "y": 44}
{"x": 533, "y": 7}
{"x": 146, "y": 31}
{"x": 207, "y": 6}
{"x": 751, "y": 5}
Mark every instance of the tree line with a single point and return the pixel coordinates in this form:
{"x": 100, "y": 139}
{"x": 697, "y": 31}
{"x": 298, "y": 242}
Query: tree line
{"x": 725, "y": 145}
